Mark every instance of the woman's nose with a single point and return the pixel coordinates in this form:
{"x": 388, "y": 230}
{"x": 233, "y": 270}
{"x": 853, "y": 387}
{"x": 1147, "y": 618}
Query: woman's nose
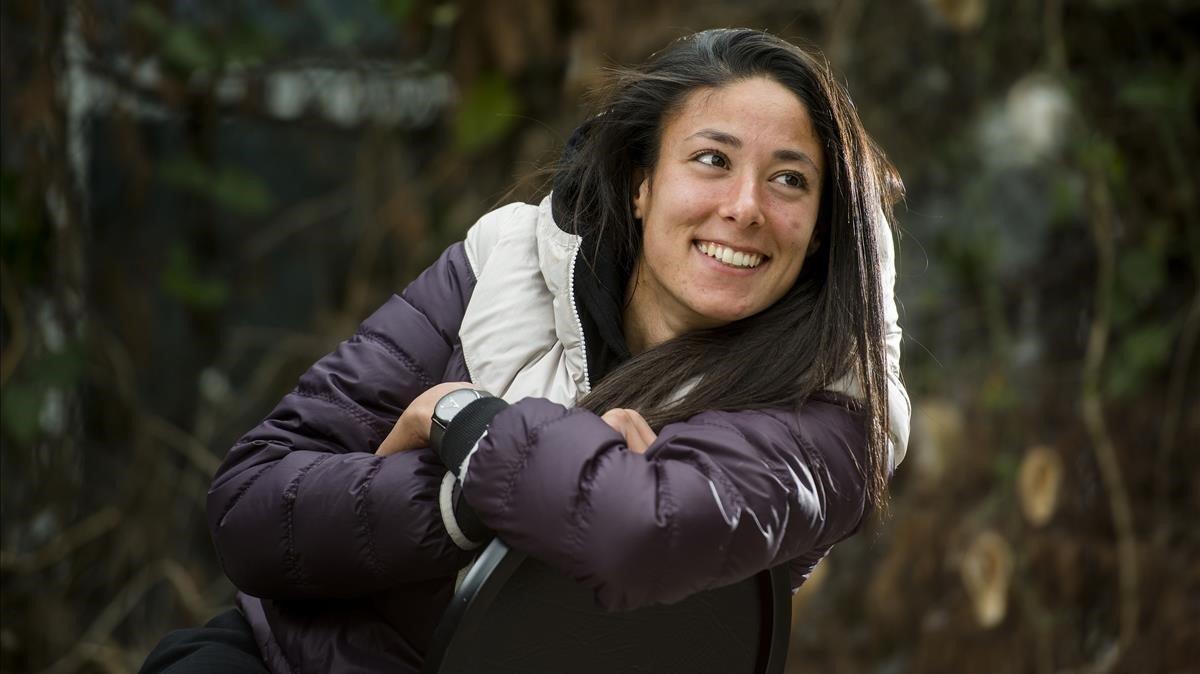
{"x": 742, "y": 204}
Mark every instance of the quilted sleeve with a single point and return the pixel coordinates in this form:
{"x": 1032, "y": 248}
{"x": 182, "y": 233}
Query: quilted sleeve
{"x": 301, "y": 507}
{"x": 714, "y": 500}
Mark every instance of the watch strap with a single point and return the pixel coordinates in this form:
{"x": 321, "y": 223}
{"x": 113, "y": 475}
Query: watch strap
{"x": 467, "y": 427}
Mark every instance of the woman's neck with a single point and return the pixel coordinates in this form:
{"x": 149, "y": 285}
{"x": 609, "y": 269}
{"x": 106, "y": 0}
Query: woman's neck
{"x": 644, "y": 327}
{"x": 648, "y": 317}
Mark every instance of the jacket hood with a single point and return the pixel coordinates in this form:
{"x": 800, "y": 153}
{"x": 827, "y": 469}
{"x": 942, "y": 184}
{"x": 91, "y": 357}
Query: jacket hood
{"x": 598, "y": 278}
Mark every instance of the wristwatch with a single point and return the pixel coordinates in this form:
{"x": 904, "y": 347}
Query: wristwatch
{"x": 447, "y": 408}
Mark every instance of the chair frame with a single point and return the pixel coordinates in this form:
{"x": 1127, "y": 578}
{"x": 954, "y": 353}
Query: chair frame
{"x": 498, "y": 562}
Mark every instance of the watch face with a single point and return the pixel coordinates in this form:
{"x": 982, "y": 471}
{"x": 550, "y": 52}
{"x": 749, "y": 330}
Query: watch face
{"x": 452, "y": 403}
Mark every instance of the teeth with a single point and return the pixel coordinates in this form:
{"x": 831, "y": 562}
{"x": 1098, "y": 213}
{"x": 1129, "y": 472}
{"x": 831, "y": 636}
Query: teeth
{"x": 729, "y": 256}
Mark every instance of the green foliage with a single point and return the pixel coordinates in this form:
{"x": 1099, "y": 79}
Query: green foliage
{"x": 249, "y": 45}
{"x": 1158, "y": 91}
{"x": 340, "y": 27}
{"x": 181, "y": 280}
{"x": 229, "y": 187}
{"x": 19, "y": 412}
{"x": 997, "y": 393}
{"x": 444, "y": 15}
{"x": 1143, "y": 345}
{"x": 190, "y": 49}
{"x": 1004, "y": 467}
{"x": 149, "y": 18}
{"x": 397, "y": 9}
{"x": 1066, "y": 197}
{"x": 1136, "y": 357}
{"x": 183, "y": 47}
{"x": 1102, "y": 155}
{"x": 1141, "y": 275}
{"x": 488, "y": 112}
{"x": 25, "y": 395}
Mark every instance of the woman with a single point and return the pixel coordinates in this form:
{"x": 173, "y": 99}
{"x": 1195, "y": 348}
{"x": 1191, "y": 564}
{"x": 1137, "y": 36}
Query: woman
{"x": 692, "y": 351}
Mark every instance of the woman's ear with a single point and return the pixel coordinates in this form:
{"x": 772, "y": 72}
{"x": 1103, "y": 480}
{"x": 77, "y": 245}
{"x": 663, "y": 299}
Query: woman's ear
{"x": 641, "y": 191}
{"x": 814, "y": 244}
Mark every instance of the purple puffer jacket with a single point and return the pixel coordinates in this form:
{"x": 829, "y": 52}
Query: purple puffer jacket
{"x": 342, "y": 557}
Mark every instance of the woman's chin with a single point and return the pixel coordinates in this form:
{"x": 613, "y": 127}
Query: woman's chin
{"x": 715, "y": 313}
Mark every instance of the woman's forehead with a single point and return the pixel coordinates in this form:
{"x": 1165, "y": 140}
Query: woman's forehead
{"x": 756, "y": 112}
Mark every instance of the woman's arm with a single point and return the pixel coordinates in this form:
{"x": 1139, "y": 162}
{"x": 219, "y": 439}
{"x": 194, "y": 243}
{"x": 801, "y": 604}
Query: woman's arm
{"x": 712, "y": 501}
{"x": 301, "y": 507}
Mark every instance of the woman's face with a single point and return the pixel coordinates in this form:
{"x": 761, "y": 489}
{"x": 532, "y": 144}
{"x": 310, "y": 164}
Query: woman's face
{"x": 729, "y": 210}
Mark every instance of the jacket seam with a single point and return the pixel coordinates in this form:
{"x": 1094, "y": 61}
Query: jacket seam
{"x": 432, "y": 323}
{"x": 291, "y": 560}
{"x": 580, "y": 515}
{"x": 723, "y": 568}
{"x": 398, "y": 353}
{"x": 670, "y": 509}
{"x": 821, "y": 476}
{"x": 531, "y": 438}
{"x": 360, "y": 416}
{"x": 361, "y": 509}
{"x": 721, "y": 473}
{"x": 241, "y": 490}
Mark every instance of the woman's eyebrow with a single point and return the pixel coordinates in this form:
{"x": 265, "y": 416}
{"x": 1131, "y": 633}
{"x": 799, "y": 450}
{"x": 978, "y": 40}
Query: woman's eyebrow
{"x": 718, "y": 136}
{"x": 796, "y": 155}
{"x": 735, "y": 142}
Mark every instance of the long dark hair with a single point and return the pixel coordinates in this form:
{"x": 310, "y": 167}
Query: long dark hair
{"x": 831, "y": 321}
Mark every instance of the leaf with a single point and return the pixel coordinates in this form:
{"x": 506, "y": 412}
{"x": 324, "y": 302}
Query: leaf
{"x": 186, "y": 173}
{"x": 19, "y": 408}
{"x": 342, "y": 33}
{"x": 1160, "y": 92}
{"x": 444, "y": 15}
{"x": 149, "y": 17}
{"x": 1103, "y": 155}
{"x": 230, "y": 187}
{"x": 240, "y": 192}
{"x": 248, "y": 45}
{"x": 488, "y": 112}
{"x": 397, "y": 9}
{"x": 181, "y": 281}
{"x": 1141, "y": 275}
{"x": 61, "y": 368}
{"x": 1138, "y": 356}
{"x": 185, "y": 48}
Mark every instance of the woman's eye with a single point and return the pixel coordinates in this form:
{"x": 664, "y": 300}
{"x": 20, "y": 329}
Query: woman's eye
{"x": 713, "y": 159}
{"x": 792, "y": 180}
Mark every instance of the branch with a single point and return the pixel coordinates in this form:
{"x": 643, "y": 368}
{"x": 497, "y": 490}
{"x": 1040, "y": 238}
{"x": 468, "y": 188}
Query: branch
{"x": 64, "y": 544}
{"x": 91, "y": 644}
{"x": 1093, "y": 418}
{"x": 181, "y": 441}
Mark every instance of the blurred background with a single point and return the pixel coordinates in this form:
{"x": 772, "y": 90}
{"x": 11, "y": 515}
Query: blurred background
{"x": 200, "y": 199}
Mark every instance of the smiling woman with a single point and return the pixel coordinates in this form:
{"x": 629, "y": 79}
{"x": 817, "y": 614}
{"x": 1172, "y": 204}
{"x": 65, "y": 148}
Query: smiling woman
{"x": 727, "y": 214}
{"x": 678, "y": 370}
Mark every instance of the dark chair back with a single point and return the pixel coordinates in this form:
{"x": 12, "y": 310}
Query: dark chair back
{"x": 513, "y": 614}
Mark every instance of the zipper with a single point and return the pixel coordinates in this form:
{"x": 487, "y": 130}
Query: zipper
{"x": 587, "y": 382}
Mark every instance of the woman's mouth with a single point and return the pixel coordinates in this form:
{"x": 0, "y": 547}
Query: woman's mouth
{"x": 729, "y": 256}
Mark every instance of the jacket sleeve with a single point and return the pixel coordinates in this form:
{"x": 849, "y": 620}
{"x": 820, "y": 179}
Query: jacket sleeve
{"x": 300, "y": 507}
{"x": 713, "y": 501}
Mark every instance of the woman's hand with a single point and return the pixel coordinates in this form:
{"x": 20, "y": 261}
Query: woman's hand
{"x": 633, "y": 427}
{"x": 412, "y": 428}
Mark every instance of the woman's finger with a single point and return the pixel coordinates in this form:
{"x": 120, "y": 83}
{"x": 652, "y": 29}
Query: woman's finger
{"x": 632, "y": 426}
{"x": 645, "y": 435}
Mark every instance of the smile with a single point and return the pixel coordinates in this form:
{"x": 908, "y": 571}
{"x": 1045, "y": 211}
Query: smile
{"x": 729, "y": 256}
